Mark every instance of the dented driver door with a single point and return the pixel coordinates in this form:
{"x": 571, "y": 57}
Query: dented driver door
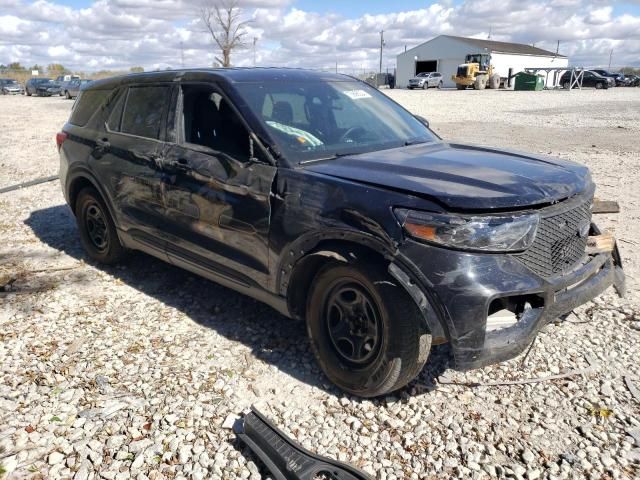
{"x": 217, "y": 196}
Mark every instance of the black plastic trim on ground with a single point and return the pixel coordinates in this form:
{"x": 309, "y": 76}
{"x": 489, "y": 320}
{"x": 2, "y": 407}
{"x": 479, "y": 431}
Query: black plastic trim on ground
{"x": 30, "y": 183}
{"x": 285, "y": 459}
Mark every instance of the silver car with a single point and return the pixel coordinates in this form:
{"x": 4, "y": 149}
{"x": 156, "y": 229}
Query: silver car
{"x": 425, "y": 80}
{"x": 10, "y": 87}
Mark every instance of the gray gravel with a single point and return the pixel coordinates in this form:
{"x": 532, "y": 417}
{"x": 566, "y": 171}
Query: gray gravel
{"x": 131, "y": 371}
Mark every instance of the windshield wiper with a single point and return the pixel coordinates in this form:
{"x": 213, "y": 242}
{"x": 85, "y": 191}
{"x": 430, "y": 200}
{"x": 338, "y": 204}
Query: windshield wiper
{"x": 333, "y": 156}
{"x": 415, "y": 141}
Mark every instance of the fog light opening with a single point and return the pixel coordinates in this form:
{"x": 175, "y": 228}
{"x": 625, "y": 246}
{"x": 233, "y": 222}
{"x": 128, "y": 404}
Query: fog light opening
{"x": 508, "y": 311}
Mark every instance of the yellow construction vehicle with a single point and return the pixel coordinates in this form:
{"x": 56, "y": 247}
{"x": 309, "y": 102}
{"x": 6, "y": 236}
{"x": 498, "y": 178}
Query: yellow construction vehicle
{"x": 476, "y": 71}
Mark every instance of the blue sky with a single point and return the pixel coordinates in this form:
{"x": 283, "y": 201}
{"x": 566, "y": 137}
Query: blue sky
{"x": 118, "y": 34}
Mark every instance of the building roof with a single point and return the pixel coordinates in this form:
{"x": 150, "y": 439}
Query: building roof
{"x": 505, "y": 47}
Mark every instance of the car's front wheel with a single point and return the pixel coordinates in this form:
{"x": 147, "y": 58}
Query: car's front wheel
{"x": 599, "y": 85}
{"x": 365, "y": 330}
{"x": 98, "y": 233}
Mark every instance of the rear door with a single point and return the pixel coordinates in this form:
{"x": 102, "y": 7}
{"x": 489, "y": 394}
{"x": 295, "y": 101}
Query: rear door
{"x": 217, "y": 187}
{"x": 126, "y": 155}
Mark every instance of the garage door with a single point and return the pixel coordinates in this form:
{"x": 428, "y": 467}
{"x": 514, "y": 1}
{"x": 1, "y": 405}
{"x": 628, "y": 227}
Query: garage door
{"x": 448, "y": 68}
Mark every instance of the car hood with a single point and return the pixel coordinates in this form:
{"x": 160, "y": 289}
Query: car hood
{"x": 464, "y": 177}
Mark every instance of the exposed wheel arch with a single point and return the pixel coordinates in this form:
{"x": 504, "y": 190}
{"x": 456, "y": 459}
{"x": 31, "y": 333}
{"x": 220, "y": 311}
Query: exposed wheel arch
{"x": 306, "y": 268}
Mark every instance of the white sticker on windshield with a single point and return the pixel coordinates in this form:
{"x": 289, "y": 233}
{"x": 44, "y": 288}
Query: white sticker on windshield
{"x": 356, "y": 94}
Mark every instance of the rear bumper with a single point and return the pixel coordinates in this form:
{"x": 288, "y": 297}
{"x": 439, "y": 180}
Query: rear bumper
{"x": 461, "y": 288}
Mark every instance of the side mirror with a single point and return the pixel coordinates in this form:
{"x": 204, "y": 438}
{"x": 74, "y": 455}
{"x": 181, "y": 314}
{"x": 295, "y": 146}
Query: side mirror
{"x": 422, "y": 120}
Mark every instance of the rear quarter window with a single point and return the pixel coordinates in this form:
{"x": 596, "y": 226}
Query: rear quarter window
{"x": 86, "y": 105}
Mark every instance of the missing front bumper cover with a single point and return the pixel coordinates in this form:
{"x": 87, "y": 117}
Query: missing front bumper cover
{"x": 285, "y": 459}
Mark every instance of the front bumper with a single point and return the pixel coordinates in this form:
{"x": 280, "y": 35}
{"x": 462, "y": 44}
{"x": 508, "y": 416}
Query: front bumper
{"x": 461, "y": 288}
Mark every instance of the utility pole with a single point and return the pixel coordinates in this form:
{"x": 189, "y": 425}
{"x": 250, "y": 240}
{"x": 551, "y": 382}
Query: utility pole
{"x": 182, "y": 54}
{"x": 381, "y": 47}
{"x": 489, "y": 36}
{"x": 255, "y": 40}
{"x": 610, "y": 57}
{"x": 558, "y": 48}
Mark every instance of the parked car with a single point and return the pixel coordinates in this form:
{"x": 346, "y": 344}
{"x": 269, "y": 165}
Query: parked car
{"x": 48, "y": 89}
{"x": 589, "y": 79}
{"x": 631, "y": 80}
{"x": 617, "y": 78}
{"x": 73, "y": 87}
{"x": 32, "y": 83}
{"x": 9, "y": 86}
{"x": 320, "y": 196}
{"x": 426, "y": 80}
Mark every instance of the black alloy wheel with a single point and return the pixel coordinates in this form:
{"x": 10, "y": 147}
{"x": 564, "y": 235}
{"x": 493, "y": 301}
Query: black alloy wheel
{"x": 354, "y": 324}
{"x": 98, "y": 233}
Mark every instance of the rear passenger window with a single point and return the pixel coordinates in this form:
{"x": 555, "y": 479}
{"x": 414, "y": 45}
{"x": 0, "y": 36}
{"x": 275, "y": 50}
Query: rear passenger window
{"x": 86, "y": 105}
{"x": 144, "y": 111}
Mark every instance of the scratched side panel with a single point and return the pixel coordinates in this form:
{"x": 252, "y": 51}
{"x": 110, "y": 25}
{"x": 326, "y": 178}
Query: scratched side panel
{"x": 309, "y": 208}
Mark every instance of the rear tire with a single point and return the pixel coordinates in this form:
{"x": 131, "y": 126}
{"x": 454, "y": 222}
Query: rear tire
{"x": 599, "y": 86}
{"x": 494, "y": 81}
{"x": 440, "y": 85}
{"x": 67, "y": 95}
{"x": 365, "y": 331}
{"x": 98, "y": 233}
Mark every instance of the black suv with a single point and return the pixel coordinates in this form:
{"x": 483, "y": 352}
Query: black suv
{"x": 589, "y": 79}
{"x": 317, "y": 194}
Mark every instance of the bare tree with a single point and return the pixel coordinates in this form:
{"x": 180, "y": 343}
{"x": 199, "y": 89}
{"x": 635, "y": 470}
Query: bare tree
{"x": 223, "y": 20}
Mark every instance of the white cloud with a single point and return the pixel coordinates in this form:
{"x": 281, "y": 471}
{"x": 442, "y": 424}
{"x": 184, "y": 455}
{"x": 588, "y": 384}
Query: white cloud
{"x": 157, "y": 33}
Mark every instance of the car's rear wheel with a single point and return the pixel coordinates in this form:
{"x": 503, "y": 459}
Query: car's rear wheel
{"x": 365, "y": 330}
{"x": 440, "y": 85}
{"x": 98, "y": 233}
{"x": 599, "y": 86}
{"x": 566, "y": 85}
{"x": 425, "y": 85}
{"x": 26, "y": 92}
{"x": 67, "y": 95}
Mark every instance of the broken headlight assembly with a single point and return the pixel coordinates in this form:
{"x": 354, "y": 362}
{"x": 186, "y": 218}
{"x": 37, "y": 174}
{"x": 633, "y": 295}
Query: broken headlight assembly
{"x": 487, "y": 233}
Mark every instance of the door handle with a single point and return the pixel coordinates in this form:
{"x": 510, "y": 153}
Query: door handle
{"x": 103, "y": 143}
{"x": 180, "y": 165}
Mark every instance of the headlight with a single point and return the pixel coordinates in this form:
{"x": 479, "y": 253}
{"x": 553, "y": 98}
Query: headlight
{"x": 499, "y": 233}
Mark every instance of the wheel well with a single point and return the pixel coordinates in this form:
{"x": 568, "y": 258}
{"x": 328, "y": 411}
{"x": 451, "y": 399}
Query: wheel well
{"x": 306, "y": 269}
{"x": 76, "y": 186}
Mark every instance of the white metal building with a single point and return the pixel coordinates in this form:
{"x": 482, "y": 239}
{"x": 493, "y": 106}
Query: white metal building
{"x": 445, "y": 52}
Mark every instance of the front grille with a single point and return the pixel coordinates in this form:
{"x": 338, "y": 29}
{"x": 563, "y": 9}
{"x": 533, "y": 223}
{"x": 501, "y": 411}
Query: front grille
{"x": 560, "y": 241}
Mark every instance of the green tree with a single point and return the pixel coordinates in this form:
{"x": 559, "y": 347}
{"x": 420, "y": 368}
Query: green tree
{"x": 57, "y": 69}
{"x": 136, "y": 70}
{"x": 16, "y": 66}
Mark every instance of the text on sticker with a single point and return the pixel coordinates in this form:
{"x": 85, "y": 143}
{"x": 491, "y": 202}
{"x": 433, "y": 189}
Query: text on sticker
{"x": 356, "y": 94}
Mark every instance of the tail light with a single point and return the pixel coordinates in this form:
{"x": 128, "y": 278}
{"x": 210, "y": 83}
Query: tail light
{"x": 60, "y": 138}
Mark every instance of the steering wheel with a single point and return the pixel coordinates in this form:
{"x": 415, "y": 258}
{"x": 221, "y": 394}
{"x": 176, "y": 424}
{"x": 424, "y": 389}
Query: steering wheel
{"x": 347, "y": 135}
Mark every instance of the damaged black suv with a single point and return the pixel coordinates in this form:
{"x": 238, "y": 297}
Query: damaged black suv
{"x": 317, "y": 194}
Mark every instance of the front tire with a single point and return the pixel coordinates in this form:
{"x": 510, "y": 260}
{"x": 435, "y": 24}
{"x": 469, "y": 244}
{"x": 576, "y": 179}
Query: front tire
{"x": 440, "y": 86}
{"x": 599, "y": 86}
{"x": 98, "y": 233}
{"x": 365, "y": 331}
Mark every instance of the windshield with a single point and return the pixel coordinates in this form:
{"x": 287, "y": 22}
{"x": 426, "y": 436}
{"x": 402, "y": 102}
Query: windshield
{"x": 422, "y": 75}
{"x": 314, "y": 120}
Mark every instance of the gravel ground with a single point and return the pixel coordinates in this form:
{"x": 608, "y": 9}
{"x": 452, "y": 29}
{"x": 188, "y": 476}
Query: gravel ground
{"x": 130, "y": 372}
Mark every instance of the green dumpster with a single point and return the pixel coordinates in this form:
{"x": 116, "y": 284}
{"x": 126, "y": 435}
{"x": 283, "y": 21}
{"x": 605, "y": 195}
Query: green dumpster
{"x": 529, "y": 81}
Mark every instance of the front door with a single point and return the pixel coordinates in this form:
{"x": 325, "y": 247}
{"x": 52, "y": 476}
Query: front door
{"x": 217, "y": 187}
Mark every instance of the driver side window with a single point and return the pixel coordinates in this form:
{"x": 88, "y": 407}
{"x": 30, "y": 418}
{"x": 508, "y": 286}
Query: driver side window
{"x": 209, "y": 120}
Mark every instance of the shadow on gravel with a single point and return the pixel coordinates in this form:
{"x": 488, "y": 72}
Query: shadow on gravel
{"x": 272, "y": 337}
